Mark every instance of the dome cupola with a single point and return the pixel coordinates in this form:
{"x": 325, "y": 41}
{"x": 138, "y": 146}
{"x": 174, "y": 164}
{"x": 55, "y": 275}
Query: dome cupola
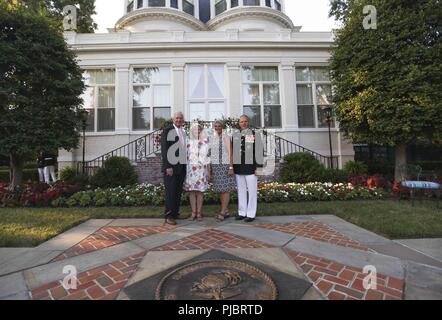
{"x": 203, "y": 15}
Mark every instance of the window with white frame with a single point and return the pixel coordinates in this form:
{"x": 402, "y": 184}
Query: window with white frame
{"x": 261, "y": 96}
{"x": 189, "y": 7}
{"x": 206, "y": 92}
{"x": 151, "y": 98}
{"x": 99, "y": 99}
{"x": 314, "y": 93}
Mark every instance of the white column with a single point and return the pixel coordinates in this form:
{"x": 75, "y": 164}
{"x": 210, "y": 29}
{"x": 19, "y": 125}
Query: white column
{"x": 240, "y": 3}
{"x": 282, "y": 5}
{"x": 180, "y": 5}
{"x": 212, "y": 9}
{"x": 126, "y": 3}
{"x": 263, "y": 3}
{"x": 122, "y": 107}
{"x": 167, "y": 3}
{"x": 146, "y": 3}
{"x": 197, "y": 9}
{"x": 178, "y": 103}
{"x": 273, "y": 4}
{"x": 229, "y": 4}
{"x": 289, "y": 108}
{"x": 234, "y": 89}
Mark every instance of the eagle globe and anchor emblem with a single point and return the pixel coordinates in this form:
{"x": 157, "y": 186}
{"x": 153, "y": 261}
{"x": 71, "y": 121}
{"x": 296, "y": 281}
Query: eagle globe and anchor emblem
{"x": 217, "y": 280}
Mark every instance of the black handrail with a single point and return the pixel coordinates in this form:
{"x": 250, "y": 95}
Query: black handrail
{"x": 283, "y": 147}
{"x": 135, "y": 151}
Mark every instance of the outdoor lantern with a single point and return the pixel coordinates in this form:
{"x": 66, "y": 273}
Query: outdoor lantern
{"x": 329, "y": 118}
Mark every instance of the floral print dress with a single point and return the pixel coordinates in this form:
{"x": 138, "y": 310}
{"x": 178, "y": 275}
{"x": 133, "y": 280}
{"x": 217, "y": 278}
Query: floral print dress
{"x": 198, "y": 164}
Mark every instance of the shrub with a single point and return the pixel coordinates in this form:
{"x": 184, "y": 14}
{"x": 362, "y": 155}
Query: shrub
{"x": 355, "y": 168}
{"x": 383, "y": 167}
{"x": 70, "y": 176}
{"x": 116, "y": 171}
{"x": 67, "y": 174}
{"x": 28, "y": 175}
{"x": 301, "y": 168}
{"x": 334, "y": 176}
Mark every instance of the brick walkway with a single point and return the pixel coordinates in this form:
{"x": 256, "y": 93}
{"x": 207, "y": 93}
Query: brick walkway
{"x": 316, "y": 231}
{"x": 339, "y": 282}
{"x": 102, "y": 283}
{"x": 327, "y": 252}
{"x": 110, "y": 236}
{"x": 212, "y": 239}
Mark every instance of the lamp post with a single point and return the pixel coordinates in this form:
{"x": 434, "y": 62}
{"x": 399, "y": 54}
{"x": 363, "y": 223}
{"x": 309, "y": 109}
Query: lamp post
{"x": 84, "y": 117}
{"x": 329, "y": 118}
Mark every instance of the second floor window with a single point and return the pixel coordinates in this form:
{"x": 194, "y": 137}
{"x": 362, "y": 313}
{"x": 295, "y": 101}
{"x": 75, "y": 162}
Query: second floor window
{"x": 220, "y": 6}
{"x": 189, "y": 7}
{"x": 157, "y": 3}
{"x": 151, "y": 98}
{"x": 252, "y": 2}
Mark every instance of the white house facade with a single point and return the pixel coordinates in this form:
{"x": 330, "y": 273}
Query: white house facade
{"x": 209, "y": 59}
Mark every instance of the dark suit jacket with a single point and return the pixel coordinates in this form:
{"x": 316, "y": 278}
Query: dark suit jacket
{"x": 170, "y": 139}
{"x": 250, "y": 155}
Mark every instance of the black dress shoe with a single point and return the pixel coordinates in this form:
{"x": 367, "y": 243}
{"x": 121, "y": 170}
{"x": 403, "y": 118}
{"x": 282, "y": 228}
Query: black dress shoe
{"x": 249, "y": 220}
{"x": 170, "y": 221}
{"x": 239, "y": 218}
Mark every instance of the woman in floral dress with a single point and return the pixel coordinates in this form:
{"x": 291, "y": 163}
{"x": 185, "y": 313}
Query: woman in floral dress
{"x": 198, "y": 169}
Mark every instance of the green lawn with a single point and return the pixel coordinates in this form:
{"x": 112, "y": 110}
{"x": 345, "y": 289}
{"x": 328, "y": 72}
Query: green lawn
{"x": 23, "y": 227}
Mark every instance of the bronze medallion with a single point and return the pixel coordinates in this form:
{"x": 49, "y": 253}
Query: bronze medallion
{"x": 217, "y": 280}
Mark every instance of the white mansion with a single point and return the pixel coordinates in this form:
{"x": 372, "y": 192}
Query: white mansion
{"x": 208, "y": 59}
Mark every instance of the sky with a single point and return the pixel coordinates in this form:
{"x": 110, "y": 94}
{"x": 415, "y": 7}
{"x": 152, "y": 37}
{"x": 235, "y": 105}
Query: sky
{"x": 312, "y": 15}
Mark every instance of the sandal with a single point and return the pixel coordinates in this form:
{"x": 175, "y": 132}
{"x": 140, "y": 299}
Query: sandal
{"x": 221, "y": 217}
{"x": 193, "y": 217}
{"x": 199, "y": 217}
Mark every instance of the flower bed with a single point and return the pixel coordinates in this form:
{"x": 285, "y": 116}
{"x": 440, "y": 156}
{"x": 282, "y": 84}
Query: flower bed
{"x": 146, "y": 194}
{"x": 35, "y": 194}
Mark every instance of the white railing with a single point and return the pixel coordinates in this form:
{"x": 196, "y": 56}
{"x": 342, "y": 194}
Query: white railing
{"x": 219, "y": 6}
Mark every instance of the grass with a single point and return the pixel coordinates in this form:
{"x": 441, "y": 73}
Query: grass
{"x": 27, "y": 227}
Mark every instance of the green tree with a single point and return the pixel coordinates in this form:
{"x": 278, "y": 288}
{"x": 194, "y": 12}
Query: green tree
{"x": 85, "y": 11}
{"x": 388, "y": 81}
{"x": 40, "y": 88}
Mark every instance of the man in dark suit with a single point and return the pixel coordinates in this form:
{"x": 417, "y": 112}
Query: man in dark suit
{"x": 248, "y": 156}
{"x": 173, "y": 151}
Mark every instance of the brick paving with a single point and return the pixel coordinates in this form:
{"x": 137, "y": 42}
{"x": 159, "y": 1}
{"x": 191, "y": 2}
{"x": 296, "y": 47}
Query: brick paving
{"x": 101, "y": 283}
{"x": 110, "y": 236}
{"x": 212, "y": 239}
{"x": 316, "y": 231}
{"x": 339, "y": 282}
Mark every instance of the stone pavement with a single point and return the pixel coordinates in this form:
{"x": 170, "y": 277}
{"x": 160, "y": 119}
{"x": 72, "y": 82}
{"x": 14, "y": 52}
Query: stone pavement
{"x": 309, "y": 257}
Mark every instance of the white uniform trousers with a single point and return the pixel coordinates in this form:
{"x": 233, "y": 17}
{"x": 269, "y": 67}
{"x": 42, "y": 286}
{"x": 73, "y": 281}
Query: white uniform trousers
{"x": 41, "y": 174}
{"x": 247, "y": 206}
{"x": 49, "y": 172}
